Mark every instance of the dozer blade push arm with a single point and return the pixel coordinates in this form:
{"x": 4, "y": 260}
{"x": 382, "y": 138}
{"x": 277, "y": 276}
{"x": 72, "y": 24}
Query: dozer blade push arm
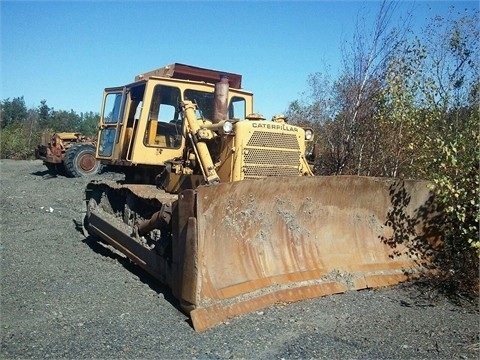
{"x": 200, "y": 147}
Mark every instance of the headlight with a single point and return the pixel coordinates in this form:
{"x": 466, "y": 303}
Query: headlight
{"x": 308, "y": 134}
{"x": 227, "y": 127}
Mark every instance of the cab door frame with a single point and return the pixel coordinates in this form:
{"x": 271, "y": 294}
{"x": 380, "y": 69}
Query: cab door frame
{"x": 111, "y": 119}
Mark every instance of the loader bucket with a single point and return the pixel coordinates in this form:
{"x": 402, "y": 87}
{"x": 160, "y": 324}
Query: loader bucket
{"x": 249, "y": 244}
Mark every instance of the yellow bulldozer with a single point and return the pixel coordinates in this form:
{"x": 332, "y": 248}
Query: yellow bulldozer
{"x": 221, "y": 205}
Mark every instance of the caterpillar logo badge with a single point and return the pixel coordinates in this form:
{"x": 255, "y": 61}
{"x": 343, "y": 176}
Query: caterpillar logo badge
{"x": 273, "y": 126}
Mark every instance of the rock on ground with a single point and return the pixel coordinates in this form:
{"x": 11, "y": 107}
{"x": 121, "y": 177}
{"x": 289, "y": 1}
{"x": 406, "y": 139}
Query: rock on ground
{"x": 65, "y": 296}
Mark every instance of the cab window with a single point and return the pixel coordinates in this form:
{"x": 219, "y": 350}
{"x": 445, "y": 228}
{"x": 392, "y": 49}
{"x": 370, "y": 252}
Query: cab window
{"x": 164, "y": 122}
{"x": 237, "y": 108}
{"x": 111, "y": 111}
{"x": 205, "y": 101}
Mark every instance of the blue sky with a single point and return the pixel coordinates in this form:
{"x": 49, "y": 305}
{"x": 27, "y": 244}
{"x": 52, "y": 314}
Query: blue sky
{"x": 66, "y": 52}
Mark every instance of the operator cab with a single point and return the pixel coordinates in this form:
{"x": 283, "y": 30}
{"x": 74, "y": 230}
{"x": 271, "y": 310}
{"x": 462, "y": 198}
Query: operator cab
{"x": 141, "y": 123}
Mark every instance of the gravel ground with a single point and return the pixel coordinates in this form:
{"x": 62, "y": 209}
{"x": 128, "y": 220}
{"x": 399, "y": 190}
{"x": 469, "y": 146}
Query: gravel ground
{"x": 65, "y": 296}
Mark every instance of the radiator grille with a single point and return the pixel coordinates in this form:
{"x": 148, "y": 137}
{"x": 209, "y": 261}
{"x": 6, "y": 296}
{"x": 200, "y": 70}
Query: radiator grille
{"x": 275, "y": 140}
{"x": 271, "y": 154}
{"x": 253, "y": 172}
{"x": 273, "y": 157}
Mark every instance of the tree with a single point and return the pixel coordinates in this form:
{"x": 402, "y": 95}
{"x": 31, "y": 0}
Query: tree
{"x": 44, "y": 114}
{"x": 89, "y": 123}
{"x": 12, "y": 111}
{"x": 433, "y": 91}
{"x": 18, "y": 138}
{"x": 315, "y": 110}
{"x": 357, "y": 90}
{"x": 64, "y": 121}
{"x": 454, "y": 138}
{"x": 350, "y": 138}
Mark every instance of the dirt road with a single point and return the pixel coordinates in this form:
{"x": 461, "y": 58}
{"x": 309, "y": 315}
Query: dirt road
{"x": 65, "y": 296}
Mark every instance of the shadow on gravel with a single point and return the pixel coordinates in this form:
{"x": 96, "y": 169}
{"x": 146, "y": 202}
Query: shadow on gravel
{"x": 46, "y": 174}
{"x": 433, "y": 291}
{"x": 108, "y": 251}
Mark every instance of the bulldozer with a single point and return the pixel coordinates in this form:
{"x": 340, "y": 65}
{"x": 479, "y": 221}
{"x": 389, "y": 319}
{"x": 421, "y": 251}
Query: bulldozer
{"x": 221, "y": 205}
{"x": 68, "y": 153}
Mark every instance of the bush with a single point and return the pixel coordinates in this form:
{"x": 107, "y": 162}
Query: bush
{"x": 14, "y": 143}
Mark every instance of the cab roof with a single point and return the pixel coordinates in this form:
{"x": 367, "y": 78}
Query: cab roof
{"x": 188, "y": 72}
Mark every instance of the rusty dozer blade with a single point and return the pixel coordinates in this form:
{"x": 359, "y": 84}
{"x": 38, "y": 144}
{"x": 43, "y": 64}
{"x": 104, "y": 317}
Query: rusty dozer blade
{"x": 250, "y": 244}
{"x": 241, "y": 246}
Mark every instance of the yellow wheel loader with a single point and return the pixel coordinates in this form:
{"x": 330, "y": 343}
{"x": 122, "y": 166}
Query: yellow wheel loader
{"x": 70, "y": 154}
{"x": 221, "y": 205}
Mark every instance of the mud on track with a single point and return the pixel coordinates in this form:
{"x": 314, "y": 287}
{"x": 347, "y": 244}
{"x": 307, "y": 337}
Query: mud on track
{"x": 64, "y": 296}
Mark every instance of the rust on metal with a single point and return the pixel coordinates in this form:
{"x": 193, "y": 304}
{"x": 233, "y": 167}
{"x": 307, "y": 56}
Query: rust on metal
{"x": 220, "y": 104}
{"x": 286, "y": 239}
{"x": 87, "y": 162}
{"x": 194, "y": 73}
{"x": 158, "y": 220}
{"x": 52, "y": 147}
{"x": 144, "y": 191}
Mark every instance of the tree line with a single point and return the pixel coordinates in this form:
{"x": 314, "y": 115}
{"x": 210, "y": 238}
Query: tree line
{"x": 21, "y": 128}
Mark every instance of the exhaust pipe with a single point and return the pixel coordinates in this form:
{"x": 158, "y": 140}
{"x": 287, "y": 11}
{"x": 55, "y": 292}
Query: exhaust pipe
{"x": 220, "y": 101}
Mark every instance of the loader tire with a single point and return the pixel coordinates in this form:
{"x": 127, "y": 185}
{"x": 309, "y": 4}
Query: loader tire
{"x": 80, "y": 161}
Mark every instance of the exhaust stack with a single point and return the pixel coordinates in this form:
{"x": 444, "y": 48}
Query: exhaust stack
{"x": 220, "y": 105}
